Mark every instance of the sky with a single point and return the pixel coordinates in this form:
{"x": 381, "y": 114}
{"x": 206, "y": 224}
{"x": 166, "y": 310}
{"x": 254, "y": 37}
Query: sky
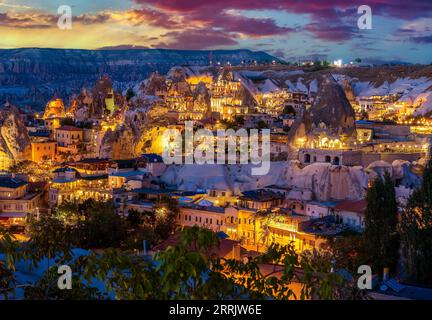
{"x": 293, "y": 30}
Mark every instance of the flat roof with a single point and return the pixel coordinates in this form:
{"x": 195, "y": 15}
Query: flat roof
{"x": 358, "y": 206}
{"x": 69, "y": 128}
{"x": 12, "y": 183}
{"x": 152, "y": 191}
{"x": 127, "y": 173}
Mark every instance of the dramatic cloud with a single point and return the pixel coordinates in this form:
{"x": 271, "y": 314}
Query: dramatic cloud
{"x": 196, "y": 39}
{"x": 284, "y": 27}
{"x": 30, "y": 20}
{"x": 328, "y": 18}
{"x": 331, "y": 33}
{"x": 425, "y": 39}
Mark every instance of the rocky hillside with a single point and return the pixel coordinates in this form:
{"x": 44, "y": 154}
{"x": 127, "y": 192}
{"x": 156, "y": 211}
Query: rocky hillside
{"x": 32, "y": 76}
{"x": 14, "y": 139}
{"x": 330, "y": 115}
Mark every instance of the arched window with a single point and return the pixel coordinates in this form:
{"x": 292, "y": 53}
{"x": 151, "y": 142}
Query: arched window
{"x": 336, "y": 161}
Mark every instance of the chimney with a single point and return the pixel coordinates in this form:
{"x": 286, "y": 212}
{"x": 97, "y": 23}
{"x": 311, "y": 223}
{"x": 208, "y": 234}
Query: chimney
{"x": 236, "y": 252}
{"x": 385, "y": 274}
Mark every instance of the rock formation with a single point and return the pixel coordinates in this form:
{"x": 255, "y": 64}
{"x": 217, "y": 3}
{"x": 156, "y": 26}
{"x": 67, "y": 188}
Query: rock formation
{"x": 331, "y": 115}
{"x": 155, "y": 85}
{"x": 323, "y": 180}
{"x": 94, "y": 103}
{"x": 54, "y": 109}
{"x": 14, "y": 140}
{"x": 331, "y": 110}
{"x": 348, "y": 89}
{"x": 201, "y": 98}
{"x": 137, "y": 134}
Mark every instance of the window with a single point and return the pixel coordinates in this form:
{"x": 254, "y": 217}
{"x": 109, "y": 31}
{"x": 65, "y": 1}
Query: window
{"x": 307, "y": 158}
{"x": 336, "y": 160}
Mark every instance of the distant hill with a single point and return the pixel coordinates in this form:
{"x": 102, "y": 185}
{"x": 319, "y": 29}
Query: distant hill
{"x": 31, "y": 76}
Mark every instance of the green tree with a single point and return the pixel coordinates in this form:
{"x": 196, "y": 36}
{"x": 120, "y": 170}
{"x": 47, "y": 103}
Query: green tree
{"x": 49, "y": 237}
{"x": 100, "y": 225}
{"x": 239, "y": 120}
{"x": 348, "y": 251}
{"x": 189, "y": 270}
{"x": 416, "y": 232}
{"x": 381, "y": 219}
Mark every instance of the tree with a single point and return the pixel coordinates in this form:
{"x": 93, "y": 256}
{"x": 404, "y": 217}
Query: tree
{"x": 36, "y": 171}
{"x": 153, "y": 226}
{"x": 358, "y": 60}
{"x": 8, "y": 246}
{"x": 239, "y": 120}
{"x": 415, "y": 230}
{"x": 100, "y": 226}
{"x": 49, "y": 237}
{"x": 381, "y": 237}
{"x": 188, "y": 270}
{"x": 348, "y": 251}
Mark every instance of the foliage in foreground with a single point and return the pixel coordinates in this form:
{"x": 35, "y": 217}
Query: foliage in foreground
{"x": 416, "y": 232}
{"x": 188, "y": 270}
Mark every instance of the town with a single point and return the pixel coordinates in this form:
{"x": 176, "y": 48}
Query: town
{"x": 330, "y": 137}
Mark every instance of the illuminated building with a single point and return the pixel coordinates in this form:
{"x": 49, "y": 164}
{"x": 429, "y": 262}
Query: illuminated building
{"x": 69, "y": 185}
{"x": 69, "y": 139}
{"x": 43, "y": 150}
{"x": 227, "y": 96}
{"x": 92, "y": 166}
{"x": 204, "y": 78}
{"x": 109, "y": 101}
{"x": 128, "y": 179}
{"x": 256, "y": 219}
{"x": 17, "y": 201}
